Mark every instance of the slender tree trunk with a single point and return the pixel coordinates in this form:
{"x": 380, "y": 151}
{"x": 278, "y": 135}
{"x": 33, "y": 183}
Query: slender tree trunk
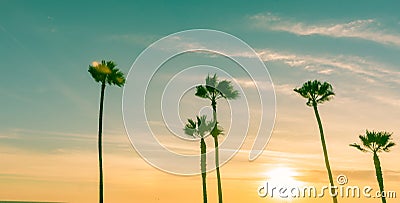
{"x": 214, "y": 106}
{"x": 328, "y": 167}
{"x": 217, "y": 168}
{"x": 103, "y": 87}
{"x": 379, "y": 176}
{"x": 203, "y": 168}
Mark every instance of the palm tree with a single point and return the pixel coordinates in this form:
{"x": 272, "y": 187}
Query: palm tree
{"x": 200, "y": 129}
{"x": 104, "y": 73}
{"x": 317, "y": 93}
{"x": 214, "y": 90}
{"x": 376, "y": 142}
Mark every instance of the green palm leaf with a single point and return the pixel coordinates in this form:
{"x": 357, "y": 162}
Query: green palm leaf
{"x": 315, "y": 92}
{"x": 376, "y": 142}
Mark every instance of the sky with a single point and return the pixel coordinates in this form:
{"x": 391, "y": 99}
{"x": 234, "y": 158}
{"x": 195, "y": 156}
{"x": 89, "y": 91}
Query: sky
{"x": 49, "y": 105}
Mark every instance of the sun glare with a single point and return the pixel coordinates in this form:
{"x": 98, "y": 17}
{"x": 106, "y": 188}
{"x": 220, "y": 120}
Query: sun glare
{"x": 95, "y": 63}
{"x": 283, "y": 176}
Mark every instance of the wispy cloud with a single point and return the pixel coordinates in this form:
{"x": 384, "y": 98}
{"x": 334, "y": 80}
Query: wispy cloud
{"x": 57, "y": 141}
{"x": 366, "y": 29}
{"x": 285, "y": 89}
{"x": 371, "y": 73}
{"x": 370, "y": 70}
{"x": 329, "y": 64}
{"x": 366, "y": 70}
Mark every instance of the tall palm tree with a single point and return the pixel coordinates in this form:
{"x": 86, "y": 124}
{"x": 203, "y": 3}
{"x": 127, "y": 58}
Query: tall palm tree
{"x": 317, "y": 93}
{"x": 376, "y": 142}
{"x": 104, "y": 73}
{"x": 214, "y": 90}
{"x": 200, "y": 129}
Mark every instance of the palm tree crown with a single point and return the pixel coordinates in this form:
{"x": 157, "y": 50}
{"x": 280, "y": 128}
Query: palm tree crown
{"x": 316, "y": 92}
{"x": 199, "y": 128}
{"x": 215, "y": 89}
{"x": 105, "y": 72}
{"x": 375, "y": 142}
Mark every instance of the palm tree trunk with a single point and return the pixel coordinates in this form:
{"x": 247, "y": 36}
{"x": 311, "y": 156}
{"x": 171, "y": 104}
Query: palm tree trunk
{"x": 217, "y": 167}
{"x": 328, "y": 167}
{"x": 379, "y": 175}
{"x": 203, "y": 168}
{"x": 103, "y": 87}
{"x": 214, "y": 106}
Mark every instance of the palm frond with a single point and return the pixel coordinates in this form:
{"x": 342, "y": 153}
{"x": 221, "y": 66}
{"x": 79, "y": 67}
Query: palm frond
{"x": 366, "y": 142}
{"x": 198, "y": 128}
{"x": 226, "y": 90}
{"x": 96, "y": 75}
{"x": 214, "y": 89}
{"x": 203, "y": 125}
{"x": 192, "y": 124}
{"x": 388, "y": 146}
{"x": 190, "y": 128}
{"x": 212, "y": 81}
{"x": 382, "y": 139}
{"x": 106, "y": 72}
{"x": 302, "y": 91}
{"x": 315, "y": 92}
{"x": 202, "y": 92}
{"x": 377, "y": 141}
{"x": 358, "y": 147}
{"x": 116, "y": 77}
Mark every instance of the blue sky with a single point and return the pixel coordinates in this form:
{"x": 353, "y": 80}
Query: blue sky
{"x": 49, "y": 44}
{"x": 49, "y": 101}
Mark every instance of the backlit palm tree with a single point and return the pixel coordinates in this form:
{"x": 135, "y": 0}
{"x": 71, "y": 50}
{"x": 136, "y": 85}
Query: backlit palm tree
{"x": 214, "y": 90}
{"x": 199, "y": 129}
{"x": 104, "y": 73}
{"x": 376, "y": 142}
{"x": 317, "y": 93}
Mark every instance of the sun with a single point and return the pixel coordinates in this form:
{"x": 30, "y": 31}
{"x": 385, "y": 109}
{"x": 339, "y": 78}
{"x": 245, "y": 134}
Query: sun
{"x": 280, "y": 182}
{"x": 283, "y": 176}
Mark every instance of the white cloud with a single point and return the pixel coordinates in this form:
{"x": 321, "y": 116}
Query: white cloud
{"x": 249, "y": 83}
{"x": 366, "y": 29}
{"x": 113, "y": 137}
{"x": 326, "y": 71}
{"x": 285, "y": 89}
{"x": 391, "y": 101}
{"x": 329, "y": 64}
{"x": 373, "y": 74}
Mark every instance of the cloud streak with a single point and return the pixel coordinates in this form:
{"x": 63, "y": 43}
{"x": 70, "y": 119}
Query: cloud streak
{"x": 371, "y": 71}
{"x": 366, "y": 29}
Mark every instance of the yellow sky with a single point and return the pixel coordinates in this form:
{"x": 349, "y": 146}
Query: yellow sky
{"x": 71, "y": 176}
